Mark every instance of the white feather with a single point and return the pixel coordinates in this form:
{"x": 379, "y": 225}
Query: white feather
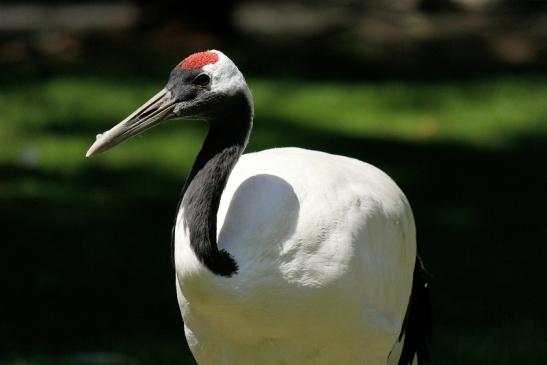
{"x": 325, "y": 246}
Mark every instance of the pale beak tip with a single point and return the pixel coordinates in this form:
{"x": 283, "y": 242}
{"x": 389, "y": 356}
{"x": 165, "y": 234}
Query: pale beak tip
{"x": 93, "y": 150}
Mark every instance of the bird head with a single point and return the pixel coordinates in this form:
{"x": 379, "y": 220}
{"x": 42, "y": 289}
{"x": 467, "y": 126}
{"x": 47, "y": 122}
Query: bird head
{"x": 201, "y": 86}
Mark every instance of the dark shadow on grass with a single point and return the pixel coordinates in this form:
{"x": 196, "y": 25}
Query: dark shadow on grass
{"x": 90, "y": 267}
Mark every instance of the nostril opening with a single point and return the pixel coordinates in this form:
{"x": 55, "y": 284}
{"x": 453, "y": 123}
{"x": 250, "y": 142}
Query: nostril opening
{"x": 146, "y": 113}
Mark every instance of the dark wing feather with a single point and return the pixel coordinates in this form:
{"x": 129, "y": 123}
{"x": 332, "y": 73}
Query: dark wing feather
{"x": 416, "y": 327}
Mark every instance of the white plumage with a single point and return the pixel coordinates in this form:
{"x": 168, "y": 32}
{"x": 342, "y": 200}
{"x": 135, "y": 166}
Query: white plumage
{"x": 326, "y": 246}
{"x": 285, "y": 256}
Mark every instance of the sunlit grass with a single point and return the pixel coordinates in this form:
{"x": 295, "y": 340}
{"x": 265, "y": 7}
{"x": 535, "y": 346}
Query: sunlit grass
{"x": 51, "y": 123}
{"x": 48, "y": 125}
{"x": 480, "y": 112}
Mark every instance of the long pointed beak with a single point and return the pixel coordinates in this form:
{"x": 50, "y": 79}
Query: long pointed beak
{"x": 151, "y": 113}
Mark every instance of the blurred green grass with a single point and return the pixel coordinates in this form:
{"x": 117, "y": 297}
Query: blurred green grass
{"x": 88, "y": 239}
{"x": 57, "y": 118}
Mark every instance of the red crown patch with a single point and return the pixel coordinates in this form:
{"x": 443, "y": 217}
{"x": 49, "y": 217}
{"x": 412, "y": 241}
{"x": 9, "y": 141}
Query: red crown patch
{"x": 198, "y": 60}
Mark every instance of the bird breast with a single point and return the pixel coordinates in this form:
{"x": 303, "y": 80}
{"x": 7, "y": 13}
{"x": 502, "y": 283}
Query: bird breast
{"x": 314, "y": 235}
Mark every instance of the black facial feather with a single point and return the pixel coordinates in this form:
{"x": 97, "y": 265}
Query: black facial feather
{"x": 201, "y": 193}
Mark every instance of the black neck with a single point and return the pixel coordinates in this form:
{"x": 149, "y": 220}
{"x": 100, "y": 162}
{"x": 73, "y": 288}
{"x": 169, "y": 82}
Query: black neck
{"x": 201, "y": 194}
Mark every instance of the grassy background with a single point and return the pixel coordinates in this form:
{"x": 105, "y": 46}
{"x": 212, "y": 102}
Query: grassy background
{"x": 85, "y": 266}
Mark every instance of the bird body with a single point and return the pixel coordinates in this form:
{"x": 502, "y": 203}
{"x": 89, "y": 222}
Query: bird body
{"x": 285, "y": 256}
{"x": 326, "y": 250}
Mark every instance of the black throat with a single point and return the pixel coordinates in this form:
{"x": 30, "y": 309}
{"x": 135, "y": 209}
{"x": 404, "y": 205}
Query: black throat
{"x": 227, "y": 137}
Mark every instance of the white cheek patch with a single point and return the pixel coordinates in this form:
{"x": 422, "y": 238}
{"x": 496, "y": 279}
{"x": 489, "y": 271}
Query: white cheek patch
{"x": 225, "y": 76}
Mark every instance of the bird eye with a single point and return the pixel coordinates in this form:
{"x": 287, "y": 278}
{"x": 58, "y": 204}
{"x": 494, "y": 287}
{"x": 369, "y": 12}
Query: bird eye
{"x": 202, "y": 80}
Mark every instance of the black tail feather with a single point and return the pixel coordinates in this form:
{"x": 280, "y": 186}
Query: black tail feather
{"x": 416, "y": 327}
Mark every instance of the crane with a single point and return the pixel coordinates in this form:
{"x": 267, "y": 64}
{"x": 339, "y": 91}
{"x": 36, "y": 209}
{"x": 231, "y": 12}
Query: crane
{"x": 287, "y": 255}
